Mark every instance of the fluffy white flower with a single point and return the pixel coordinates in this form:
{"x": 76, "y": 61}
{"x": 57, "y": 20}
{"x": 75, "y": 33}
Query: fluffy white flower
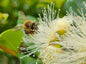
{"x": 75, "y": 40}
{"x": 49, "y": 54}
{"x": 54, "y": 50}
{"x": 48, "y": 37}
{"x": 48, "y": 30}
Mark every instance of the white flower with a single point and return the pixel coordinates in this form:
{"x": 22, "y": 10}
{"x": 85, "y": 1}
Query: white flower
{"x": 48, "y": 37}
{"x": 54, "y": 50}
{"x": 49, "y": 54}
{"x": 75, "y": 40}
{"x": 48, "y": 30}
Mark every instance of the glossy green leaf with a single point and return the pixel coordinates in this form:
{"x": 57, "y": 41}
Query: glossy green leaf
{"x": 32, "y": 18}
{"x": 75, "y": 5}
{"x": 30, "y": 60}
{"x": 11, "y": 39}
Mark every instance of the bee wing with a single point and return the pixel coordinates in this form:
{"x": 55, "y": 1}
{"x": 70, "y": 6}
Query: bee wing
{"x": 18, "y": 27}
{"x": 21, "y": 17}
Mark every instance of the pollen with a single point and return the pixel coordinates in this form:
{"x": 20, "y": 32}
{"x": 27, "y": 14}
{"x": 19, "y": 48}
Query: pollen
{"x": 61, "y": 32}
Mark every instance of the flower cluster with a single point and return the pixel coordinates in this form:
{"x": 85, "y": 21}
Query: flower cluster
{"x": 60, "y": 40}
{"x": 48, "y": 37}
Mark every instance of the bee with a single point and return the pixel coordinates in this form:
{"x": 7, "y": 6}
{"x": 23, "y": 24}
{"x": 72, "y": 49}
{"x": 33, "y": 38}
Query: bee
{"x": 29, "y": 26}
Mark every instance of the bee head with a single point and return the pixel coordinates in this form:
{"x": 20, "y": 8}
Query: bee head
{"x": 34, "y": 26}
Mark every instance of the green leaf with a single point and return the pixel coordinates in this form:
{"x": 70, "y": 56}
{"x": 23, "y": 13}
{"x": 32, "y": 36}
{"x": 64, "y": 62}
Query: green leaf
{"x": 32, "y": 18}
{"x": 30, "y": 60}
{"x": 11, "y": 39}
{"x": 75, "y": 5}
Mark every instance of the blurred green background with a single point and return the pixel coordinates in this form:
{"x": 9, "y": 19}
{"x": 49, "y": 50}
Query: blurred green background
{"x": 31, "y": 8}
